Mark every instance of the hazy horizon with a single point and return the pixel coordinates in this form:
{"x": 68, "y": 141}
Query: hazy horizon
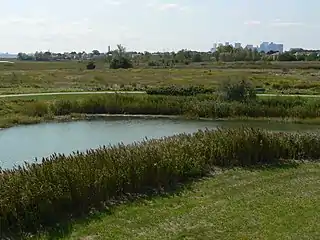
{"x": 147, "y": 25}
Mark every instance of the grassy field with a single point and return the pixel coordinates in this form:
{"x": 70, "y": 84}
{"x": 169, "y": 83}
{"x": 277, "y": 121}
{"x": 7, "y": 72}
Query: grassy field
{"x": 270, "y": 203}
{"x": 26, "y": 77}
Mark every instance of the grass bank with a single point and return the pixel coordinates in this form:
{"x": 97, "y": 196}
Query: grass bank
{"x": 35, "y": 197}
{"x": 25, "y": 111}
{"x": 267, "y": 203}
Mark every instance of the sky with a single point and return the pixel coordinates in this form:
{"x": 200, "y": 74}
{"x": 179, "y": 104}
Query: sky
{"x": 155, "y": 25}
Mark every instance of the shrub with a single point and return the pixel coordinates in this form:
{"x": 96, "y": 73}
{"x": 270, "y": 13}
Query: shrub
{"x": 197, "y": 58}
{"x": 153, "y": 64}
{"x": 91, "y": 65}
{"x": 121, "y": 62}
{"x": 238, "y": 90}
{"x": 179, "y": 91}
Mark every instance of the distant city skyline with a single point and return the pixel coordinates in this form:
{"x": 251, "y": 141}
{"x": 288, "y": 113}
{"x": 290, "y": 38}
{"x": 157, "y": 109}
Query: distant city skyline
{"x": 262, "y": 47}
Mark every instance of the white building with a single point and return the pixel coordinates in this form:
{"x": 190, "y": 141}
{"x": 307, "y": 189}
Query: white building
{"x": 264, "y": 47}
{"x": 268, "y": 47}
{"x": 237, "y": 45}
{"x": 214, "y": 48}
{"x": 249, "y": 46}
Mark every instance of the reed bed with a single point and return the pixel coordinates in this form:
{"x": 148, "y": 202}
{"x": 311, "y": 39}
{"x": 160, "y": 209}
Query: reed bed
{"x": 212, "y": 106}
{"x": 206, "y": 106}
{"x": 36, "y": 196}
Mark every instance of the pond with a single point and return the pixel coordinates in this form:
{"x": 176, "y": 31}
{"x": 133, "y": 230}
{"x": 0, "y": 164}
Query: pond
{"x": 26, "y": 143}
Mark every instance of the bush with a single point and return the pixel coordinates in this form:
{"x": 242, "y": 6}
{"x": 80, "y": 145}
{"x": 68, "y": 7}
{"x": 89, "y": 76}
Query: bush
{"x": 238, "y": 90}
{"x": 197, "y": 58}
{"x": 36, "y": 196}
{"x": 153, "y": 64}
{"x": 91, "y": 65}
{"x": 121, "y": 62}
{"x": 180, "y": 91}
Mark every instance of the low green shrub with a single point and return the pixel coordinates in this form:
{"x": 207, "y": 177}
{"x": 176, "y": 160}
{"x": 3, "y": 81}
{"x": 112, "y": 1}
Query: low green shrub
{"x": 91, "y": 66}
{"x": 121, "y": 62}
{"x": 234, "y": 90}
{"x": 36, "y": 196}
{"x": 153, "y": 64}
{"x": 180, "y": 91}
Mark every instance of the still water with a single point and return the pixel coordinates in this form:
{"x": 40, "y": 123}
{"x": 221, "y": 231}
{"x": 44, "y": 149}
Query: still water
{"x": 26, "y": 143}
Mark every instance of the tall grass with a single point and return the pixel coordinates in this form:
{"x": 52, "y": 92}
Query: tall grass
{"x": 196, "y": 106}
{"x": 27, "y": 111}
{"x": 36, "y": 196}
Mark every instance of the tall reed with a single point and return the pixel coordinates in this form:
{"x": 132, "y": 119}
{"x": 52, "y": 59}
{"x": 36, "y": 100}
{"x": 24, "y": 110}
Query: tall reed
{"x": 36, "y": 196}
{"x": 197, "y": 106}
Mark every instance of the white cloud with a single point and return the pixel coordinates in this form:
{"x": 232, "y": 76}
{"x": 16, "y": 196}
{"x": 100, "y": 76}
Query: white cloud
{"x": 22, "y": 21}
{"x": 252, "y": 22}
{"x": 167, "y": 6}
{"x": 152, "y": 3}
{"x": 280, "y": 23}
{"x": 113, "y": 2}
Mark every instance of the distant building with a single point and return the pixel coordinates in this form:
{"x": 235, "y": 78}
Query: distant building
{"x": 268, "y": 47}
{"x": 281, "y": 48}
{"x": 8, "y": 56}
{"x": 237, "y": 45}
{"x": 264, "y": 47}
{"x": 249, "y": 46}
{"x": 214, "y": 48}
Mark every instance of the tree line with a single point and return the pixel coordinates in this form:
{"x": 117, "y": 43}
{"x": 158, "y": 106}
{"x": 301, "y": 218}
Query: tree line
{"x": 184, "y": 56}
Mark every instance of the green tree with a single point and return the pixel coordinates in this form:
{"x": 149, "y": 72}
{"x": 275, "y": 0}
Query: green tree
{"x": 96, "y": 52}
{"x": 181, "y": 56}
{"x": 312, "y": 56}
{"x": 24, "y": 57}
{"x": 301, "y": 57}
{"x": 287, "y": 56}
{"x": 226, "y": 57}
{"x": 196, "y": 58}
{"x": 120, "y": 58}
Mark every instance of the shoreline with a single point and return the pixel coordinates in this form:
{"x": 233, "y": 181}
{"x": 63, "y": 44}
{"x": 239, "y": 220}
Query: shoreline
{"x": 88, "y": 117}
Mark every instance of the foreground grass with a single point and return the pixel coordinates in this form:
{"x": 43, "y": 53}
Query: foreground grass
{"x": 271, "y": 203}
{"x": 37, "y": 197}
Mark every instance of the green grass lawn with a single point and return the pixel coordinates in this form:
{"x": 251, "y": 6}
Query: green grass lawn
{"x": 269, "y": 203}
